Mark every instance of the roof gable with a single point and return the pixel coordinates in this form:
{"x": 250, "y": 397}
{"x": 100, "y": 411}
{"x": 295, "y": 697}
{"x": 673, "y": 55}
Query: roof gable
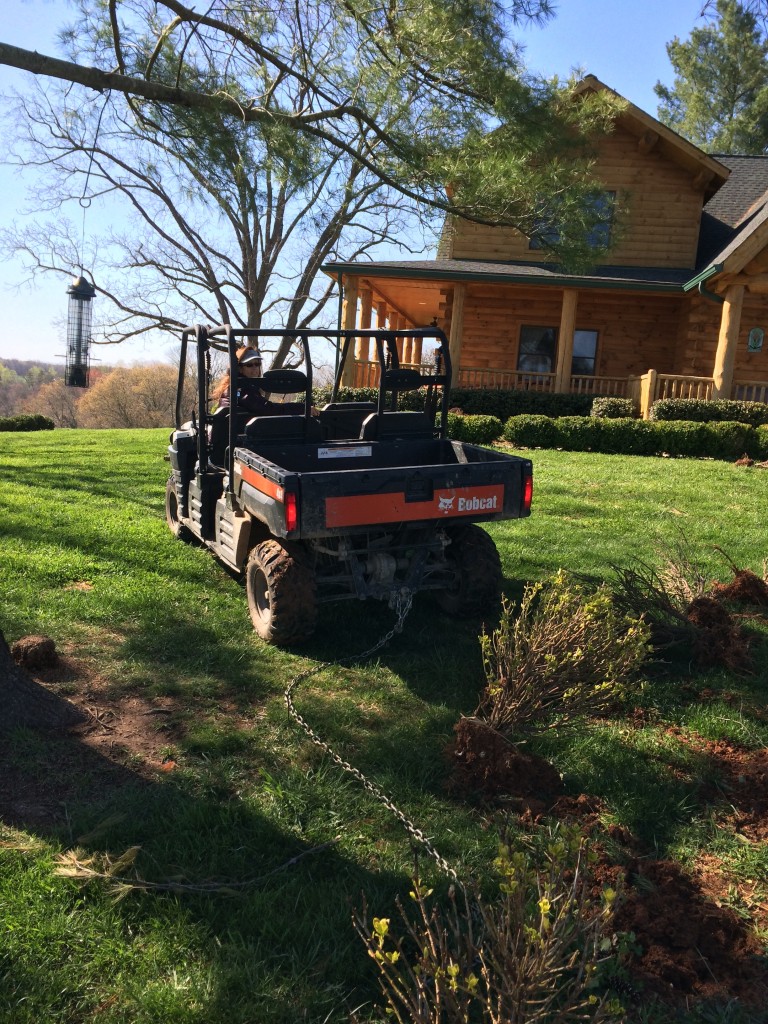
{"x": 708, "y": 172}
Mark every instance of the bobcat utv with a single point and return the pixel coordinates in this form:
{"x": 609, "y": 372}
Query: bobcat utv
{"x": 362, "y": 499}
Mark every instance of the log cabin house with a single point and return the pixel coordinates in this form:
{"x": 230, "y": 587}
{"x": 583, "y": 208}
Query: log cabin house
{"x": 681, "y": 310}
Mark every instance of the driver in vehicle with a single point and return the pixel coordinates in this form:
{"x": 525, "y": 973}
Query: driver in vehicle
{"x": 250, "y": 397}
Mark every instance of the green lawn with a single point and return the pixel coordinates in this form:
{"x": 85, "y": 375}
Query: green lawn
{"x": 152, "y": 624}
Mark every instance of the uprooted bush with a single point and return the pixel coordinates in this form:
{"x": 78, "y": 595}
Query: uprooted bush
{"x": 568, "y": 653}
{"x": 686, "y": 611}
{"x": 539, "y": 951}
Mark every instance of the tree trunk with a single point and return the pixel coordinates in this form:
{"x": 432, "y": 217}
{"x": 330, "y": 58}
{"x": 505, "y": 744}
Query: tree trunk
{"x": 23, "y": 702}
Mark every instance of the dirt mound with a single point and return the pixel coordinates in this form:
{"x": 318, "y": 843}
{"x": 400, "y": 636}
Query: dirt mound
{"x": 718, "y": 639}
{"x": 33, "y": 652}
{"x": 688, "y": 945}
{"x": 745, "y": 588}
{"x": 489, "y": 767}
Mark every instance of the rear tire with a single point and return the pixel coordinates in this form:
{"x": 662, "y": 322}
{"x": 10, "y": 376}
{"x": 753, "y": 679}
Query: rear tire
{"x": 281, "y": 593}
{"x": 477, "y": 573}
{"x": 177, "y": 528}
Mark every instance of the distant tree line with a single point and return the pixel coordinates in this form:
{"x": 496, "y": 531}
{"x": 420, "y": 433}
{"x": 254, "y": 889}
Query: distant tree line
{"x": 138, "y": 396}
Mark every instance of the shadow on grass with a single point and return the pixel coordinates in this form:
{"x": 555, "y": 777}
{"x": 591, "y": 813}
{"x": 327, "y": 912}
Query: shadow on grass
{"x": 280, "y": 948}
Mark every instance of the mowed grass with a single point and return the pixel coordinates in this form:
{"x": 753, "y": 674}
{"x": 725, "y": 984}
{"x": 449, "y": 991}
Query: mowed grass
{"x": 86, "y": 557}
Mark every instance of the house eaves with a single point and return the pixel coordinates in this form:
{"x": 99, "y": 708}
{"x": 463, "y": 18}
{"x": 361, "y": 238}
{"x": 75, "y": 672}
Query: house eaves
{"x": 631, "y": 279}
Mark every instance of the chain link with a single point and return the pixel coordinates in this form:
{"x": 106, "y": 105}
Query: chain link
{"x": 401, "y": 603}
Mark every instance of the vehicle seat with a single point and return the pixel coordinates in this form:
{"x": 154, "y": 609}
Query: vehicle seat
{"x": 218, "y": 435}
{"x": 344, "y": 420}
{"x": 396, "y": 426}
{"x": 279, "y": 429}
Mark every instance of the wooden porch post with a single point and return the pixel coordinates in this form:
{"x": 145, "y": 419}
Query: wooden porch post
{"x": 457, "y": 329}
{"x": 416, "y": 350}
{"x": 348, "y": 323}
{"x": 565, "y": 340}
{"x": 730, "y": 322}
{"x": 362, "y": 345}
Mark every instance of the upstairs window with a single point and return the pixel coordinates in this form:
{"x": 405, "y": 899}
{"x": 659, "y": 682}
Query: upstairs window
{"x": 545, "y": 236}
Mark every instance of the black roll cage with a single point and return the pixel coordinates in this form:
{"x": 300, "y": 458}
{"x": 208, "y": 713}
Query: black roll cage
{"x": 392, "y": 377}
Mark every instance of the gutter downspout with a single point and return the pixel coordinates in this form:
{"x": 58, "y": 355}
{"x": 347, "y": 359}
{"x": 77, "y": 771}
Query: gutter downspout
{"x": 707, "y": 294}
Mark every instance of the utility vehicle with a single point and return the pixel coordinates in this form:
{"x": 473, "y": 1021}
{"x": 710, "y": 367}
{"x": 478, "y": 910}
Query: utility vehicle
{"x": 358, "y": 499}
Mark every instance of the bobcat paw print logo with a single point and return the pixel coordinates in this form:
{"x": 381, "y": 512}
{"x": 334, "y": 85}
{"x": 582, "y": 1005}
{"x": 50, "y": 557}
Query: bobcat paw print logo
{"x": 445, "y": 504}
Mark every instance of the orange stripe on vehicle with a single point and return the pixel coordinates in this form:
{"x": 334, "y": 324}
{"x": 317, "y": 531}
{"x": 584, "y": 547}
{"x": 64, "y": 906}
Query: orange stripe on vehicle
{"x": 364, "y": 509}
{"x": 261, "y": 483}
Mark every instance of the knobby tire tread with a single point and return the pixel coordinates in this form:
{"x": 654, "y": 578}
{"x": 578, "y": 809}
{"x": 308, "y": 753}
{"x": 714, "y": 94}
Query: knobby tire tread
{"x": 291, "y": 584}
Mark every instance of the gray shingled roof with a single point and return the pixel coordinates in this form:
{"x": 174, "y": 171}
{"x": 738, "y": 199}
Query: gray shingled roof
{"x": 730, "y": 213}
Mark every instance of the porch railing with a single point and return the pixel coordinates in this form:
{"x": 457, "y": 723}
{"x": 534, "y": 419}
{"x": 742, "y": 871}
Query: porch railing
{"x": 613, "y": 386}
{"x": 504, "y": 380}
{"x": 644, "y": 389}
{"x": 750, "y": 391}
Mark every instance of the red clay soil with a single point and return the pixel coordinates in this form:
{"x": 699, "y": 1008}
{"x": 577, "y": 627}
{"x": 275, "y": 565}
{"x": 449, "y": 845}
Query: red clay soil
{"x": 719, "y": 640}
{"x": 488, "y": 767}
{"x": 120, "y": 744}
{"x": 745, "y": 589}
{"x": 690, "y": 946}
{"x": 741, "y": 783}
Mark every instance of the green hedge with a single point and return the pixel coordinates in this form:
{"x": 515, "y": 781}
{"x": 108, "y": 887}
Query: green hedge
{"x": 611, "y": 408}
{"x": 35, "y": 422}
{"x": 700, "y": 411}
{"x": 503, "y": 404}
{"x": 474, "y": 429}
{"x": 638, "y": 437}
{"x": 477, "y": 401}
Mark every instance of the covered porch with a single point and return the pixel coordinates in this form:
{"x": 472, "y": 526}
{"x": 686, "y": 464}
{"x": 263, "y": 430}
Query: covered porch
{"x": 633, "y": 333}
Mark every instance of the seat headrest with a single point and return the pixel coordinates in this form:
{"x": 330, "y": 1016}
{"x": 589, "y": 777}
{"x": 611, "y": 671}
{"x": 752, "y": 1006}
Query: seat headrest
{"x": 283, "y": 381}
{"x": 402, "y": 380}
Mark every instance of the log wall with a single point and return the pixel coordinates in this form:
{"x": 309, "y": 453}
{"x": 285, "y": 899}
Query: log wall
{"x": 635, "y": 332}
{"x": 660, "y": 227}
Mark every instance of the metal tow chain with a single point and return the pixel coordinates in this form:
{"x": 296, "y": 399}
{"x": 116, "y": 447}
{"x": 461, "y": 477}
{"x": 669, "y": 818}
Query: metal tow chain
{"x": 402, "y": 604}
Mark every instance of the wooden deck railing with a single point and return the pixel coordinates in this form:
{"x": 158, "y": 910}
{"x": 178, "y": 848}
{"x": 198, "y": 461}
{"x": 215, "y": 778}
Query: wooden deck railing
{"x": 613, "y": 386}
{"x": 669, "y": 385}
{"x": 504, "y": 380}
{"x": 644, "y": 389}
{"x": 750, "y": 391}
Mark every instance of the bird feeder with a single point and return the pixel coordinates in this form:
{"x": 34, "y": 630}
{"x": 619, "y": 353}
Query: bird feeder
{"x": 81, "y": 293}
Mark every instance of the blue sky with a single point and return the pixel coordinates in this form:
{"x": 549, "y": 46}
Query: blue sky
{"x": 622, "y": 42}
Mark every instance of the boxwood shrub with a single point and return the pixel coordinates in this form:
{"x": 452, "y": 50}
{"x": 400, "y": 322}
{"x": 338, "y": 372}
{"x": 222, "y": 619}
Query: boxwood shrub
{"x": 503, "y": 404}
{"x": 638, "y": 437}
{"x": 474, "y": 429}
{"x": 23, "y": 422}
{"x": 701, "y": 411}
{"x": 610, "y": 407}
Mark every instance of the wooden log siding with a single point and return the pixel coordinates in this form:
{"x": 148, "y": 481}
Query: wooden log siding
{"x": 635, "y": 331}
{"x": 661, "y": 226}
{"x": 700, "y": 333}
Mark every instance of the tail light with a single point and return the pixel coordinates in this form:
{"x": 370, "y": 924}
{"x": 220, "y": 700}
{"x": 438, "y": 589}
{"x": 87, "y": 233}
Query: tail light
{"x": 527, "y": 492}
{"x": 291, "y": 512}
